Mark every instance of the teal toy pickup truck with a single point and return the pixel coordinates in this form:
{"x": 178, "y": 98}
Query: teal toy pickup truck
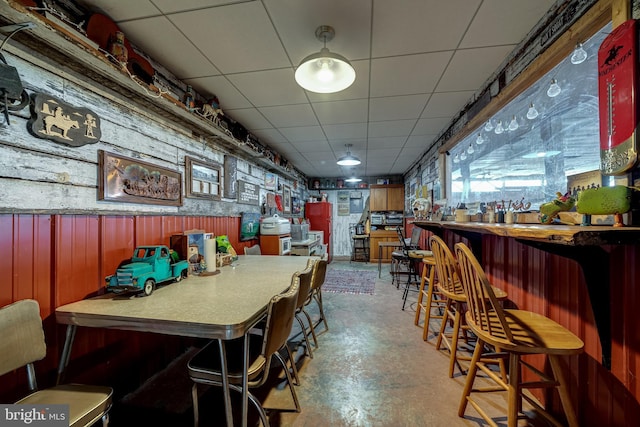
{"x": 149, "y": 266}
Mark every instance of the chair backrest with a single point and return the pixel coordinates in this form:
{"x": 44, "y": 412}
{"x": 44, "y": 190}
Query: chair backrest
{"x": 253, "y": 250}
{"x": 319, "y": 273}
{"x": 22, "y": 335}
{"x": 280, "y": 315}
{"x": 305, "y": 278}
{"x": 414, "y": 243}
{"x": 446, "y": 267}
{"x": 485, "y": 311}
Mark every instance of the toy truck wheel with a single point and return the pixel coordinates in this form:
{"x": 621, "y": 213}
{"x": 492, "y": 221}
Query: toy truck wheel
{"x": 180, "y": 276}
{"x": 149, "y": 286}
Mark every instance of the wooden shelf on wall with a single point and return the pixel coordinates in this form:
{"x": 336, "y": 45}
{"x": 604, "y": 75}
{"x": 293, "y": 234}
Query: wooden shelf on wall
{"x": 73, "y": 51}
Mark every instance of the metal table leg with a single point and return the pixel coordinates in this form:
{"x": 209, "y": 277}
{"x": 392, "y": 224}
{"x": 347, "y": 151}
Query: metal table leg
{"x": 66, "y": 352}
{"x": 225, "y": 383}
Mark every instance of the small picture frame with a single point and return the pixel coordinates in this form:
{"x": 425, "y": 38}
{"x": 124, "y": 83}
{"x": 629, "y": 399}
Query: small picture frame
{"x": 203, "y": 179}
{"x": 270, "y": 181}
{"x": 286, "y": 199}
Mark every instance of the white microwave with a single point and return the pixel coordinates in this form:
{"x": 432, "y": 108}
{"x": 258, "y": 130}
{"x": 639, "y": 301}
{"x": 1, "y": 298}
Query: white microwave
{"x": 285, "y": 245}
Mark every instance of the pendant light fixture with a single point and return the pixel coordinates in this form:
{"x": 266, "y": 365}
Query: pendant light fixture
{"x": 579, "y": 55}
{"x": 353, "y": 179}
{"x": 554, "y": 89}
{"x": 325, "y": 72}
{"x": 349, "y": 159}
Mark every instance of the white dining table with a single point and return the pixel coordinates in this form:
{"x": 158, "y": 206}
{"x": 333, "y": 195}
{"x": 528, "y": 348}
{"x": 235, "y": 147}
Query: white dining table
{"x": 223, "y": 306}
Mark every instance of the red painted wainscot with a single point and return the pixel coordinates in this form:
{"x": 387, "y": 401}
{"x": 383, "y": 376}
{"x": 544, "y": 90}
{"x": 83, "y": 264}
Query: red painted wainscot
{"x": 586, "y": 279}
{"x": 58, "y": 259}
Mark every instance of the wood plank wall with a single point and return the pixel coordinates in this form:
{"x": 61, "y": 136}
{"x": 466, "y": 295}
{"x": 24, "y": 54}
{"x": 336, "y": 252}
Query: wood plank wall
{"x": 58, "y": 259}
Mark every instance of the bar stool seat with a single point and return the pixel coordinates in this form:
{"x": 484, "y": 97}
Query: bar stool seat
{"x": 518, "y": 333}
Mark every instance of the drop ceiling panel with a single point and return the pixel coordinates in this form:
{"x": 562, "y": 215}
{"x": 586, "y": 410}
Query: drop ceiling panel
{"x": 175, "y": 51}
{"x": 430, "y": 126}
{"x": 281, "y": 90}
{"x": 312, "y": 146}
{"x": 330, "y": 113}
{"x": 391, "y": 128}
{"x": 376, "y": 144}
{"x": 290, "y": 115}
{"x": 446, "y": 104}
{"x": 397, "y": 75}
{"x": 250, "y": 118}
{"x": 469, "y": 69}
{"x": 116, "y": 11}
{"x": 170, "y": 6}
{"x": 346, "y": 131}
{"x": 256, "y": 49}
{"x": 396, "y": 107}
{"x": 413, "y": 26}
{"x": 304, "y": 133}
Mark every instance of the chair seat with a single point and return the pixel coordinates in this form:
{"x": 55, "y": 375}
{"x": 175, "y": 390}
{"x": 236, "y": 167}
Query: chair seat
{"x": 420, "y": 254}
{"x": 205, "y": 365}
{"x": 87, "y": 403}
{"x": 532, "y": 334}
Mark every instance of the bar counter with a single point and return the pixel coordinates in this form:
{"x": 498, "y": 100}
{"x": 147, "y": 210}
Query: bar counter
{"x": 587, "y": 245}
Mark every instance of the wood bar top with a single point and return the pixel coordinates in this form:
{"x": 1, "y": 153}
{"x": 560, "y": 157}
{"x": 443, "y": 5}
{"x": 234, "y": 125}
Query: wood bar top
{"x": 570, "y": 235}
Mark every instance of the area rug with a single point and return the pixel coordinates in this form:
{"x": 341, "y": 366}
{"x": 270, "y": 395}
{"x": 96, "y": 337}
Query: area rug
{"x": 350, "y": 282}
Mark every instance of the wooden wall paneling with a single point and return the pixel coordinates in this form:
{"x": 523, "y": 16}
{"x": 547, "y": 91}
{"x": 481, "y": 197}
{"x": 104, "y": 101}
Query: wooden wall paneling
{"x": 6, "y": 261}
{"x": 117, "y": 242}
{"x": 148, "y": 231}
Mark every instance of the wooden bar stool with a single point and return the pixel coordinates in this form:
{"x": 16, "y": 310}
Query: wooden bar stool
{"x": 518, "y": 333}
{"x": 428, "y": 270}
{"x": 450, "y": 287}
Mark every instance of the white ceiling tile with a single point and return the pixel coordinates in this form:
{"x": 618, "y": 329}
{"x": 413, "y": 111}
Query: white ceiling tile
{"x": 397, "y": 75}
{"x": 269, "y": 136}
{"x": 304, "y": 133}
{"x": 469, "y": 69}
{"x": 377, "y": 144}
{"x": 281, "y": 90}
{"x": 391, "y": 128}
{"x": 175, "y": 51}
{"x": 423, "y": 141}
{"x": 257, "y": 49}
{"x": 346, "y": 131}
{"x": 397, "y": 107}
{"x": 500, "y": 22}
{"x": 412, "y": 26}
{"x": 430, "y": 126}
{"x": 116, "y": 11}
{"x": 290, "y": 115}
{"x": 172, "y": 6}
{"x": 312, "y": 146}
{"x": 336, "y": 112}
{"x": 446, "y": 104}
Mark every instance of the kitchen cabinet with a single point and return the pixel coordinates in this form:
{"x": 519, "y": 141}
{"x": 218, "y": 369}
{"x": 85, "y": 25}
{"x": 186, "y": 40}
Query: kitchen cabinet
{"x": 386, "y": 197}
{"x": 378, "y": 236}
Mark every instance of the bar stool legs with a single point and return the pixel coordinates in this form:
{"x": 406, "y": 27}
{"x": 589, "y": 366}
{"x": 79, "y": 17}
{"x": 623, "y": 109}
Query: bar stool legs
{"x": 430, "y": 271}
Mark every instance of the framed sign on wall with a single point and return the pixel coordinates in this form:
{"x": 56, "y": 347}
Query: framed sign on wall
{"x": 122, "y": 179}
{"x": 203, "y": 179}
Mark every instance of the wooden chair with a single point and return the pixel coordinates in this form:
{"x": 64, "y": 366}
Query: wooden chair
{"x": 204, "y": 367}
{"x": 23, "y": 343}
{"x": 317, "y": 280}
{"x": 434, "y": 298}
{"x": 518, "y": 333}
{"x": 253, "y": 250}
{"x": 450, "y": 287}
{"x": 305, "y": 278}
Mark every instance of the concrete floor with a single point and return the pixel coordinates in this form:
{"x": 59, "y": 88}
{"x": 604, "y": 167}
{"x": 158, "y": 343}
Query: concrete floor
{"x": 371, "y": 368}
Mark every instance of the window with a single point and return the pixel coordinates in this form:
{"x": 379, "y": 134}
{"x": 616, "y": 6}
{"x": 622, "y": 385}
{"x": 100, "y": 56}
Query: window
{"x": 529, "y": 148}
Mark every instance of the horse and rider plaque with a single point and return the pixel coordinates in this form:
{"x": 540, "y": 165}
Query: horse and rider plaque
{"x": 54, "y": 119}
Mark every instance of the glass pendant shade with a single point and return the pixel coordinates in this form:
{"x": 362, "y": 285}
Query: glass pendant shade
{"x": 480, "y": 139}
{"x": 325, "y": 72}
{"x": 532, "y": 113}
{"x": 499, "y": 129}
{"x": 513, "y": 125}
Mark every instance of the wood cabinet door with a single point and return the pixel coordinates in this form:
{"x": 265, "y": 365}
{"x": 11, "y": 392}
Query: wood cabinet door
{"x": 378, "y": 199}
{"x": 395, "y": 199}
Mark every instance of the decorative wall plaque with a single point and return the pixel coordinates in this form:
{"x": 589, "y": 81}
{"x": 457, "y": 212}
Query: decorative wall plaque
{"x": 129, "y": 180}
{"x": 54, "y": 119}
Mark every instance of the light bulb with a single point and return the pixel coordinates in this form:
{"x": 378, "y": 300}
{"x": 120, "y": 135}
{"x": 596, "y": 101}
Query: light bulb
{"x": 499, "y": 129}
{"x": 471, "y": 150}
{"x": 325, "y": 74}
{"x": 513, "y": 125}
{"x": 463, "y": 155}
{"x": 554, "y": 89}
{"x": 488, "y": 126}
{"x": 480, "y": 139}
{"x": 456, "y": 159}
{"x": 532, "y": 113}
{"x": 579, "y": 55}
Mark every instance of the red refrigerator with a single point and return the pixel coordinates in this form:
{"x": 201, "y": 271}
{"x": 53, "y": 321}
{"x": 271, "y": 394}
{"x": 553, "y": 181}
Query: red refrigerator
{"x": 319, "y": 216}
